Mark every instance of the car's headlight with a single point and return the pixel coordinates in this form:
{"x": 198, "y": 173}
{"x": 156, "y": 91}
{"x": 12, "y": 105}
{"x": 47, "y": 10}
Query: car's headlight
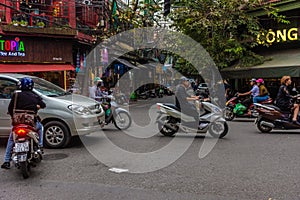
{"x": 80, "y": 110}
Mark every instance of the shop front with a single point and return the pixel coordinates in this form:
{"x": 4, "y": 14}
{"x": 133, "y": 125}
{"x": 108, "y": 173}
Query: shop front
{"x": 278, "y": 64}
{"x": 47, "y": 58}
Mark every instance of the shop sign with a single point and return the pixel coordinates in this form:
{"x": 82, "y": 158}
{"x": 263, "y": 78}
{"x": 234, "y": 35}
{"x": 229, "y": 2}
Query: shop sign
{"x": 277, "y": 36}
{"x": 12, "y": 48}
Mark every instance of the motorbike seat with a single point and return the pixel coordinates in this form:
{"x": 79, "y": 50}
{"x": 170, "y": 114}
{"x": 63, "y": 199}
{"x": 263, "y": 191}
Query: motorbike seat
{"x": 278, "y": 109}
{"x": 172, "y": 106}
{"x": 268, "y": 101}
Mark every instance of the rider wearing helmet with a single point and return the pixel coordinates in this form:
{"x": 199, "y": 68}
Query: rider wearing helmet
{"x": 263, "y": 92}
{"x": 93, "y": 89}
{"x": 25, "y": 100}
{"x": 253, "y": 92}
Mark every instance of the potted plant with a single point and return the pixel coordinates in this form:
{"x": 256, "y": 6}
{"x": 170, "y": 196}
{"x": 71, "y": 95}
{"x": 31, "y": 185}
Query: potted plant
{"x": 23, "y": 23}
{"x": 15, "y": 23}
{"x": 41, "y": 24}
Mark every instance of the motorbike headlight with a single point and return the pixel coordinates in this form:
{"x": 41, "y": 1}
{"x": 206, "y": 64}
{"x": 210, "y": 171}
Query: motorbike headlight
{"x": 80, "y": 110}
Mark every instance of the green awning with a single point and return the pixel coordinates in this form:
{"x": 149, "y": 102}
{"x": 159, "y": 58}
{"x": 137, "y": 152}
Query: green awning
{"x": 279, "y": 64}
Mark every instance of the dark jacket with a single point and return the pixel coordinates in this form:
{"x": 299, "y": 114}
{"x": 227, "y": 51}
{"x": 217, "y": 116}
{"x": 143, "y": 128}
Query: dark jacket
{"x": 284, "y": 99}
{"x": 26, "y": 100}
{"x": 183, "y": 104}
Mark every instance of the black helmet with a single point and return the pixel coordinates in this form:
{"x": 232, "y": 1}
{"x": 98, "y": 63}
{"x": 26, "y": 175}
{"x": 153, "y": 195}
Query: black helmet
{"x": 26, "y": 84}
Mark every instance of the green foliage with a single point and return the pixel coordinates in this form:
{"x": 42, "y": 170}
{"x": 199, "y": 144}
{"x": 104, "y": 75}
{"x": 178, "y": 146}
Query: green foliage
{"x": 224, "y": 28}
{"x": 139, "y": 14}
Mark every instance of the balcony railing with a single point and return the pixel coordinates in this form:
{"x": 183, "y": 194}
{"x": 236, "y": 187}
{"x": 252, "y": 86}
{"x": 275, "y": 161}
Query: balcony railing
{"x": 39, "y": 20}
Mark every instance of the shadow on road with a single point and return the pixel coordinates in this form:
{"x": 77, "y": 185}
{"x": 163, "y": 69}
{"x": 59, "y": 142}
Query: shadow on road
{"x": 244, "y": 120}
{"x": 281, "y": 132}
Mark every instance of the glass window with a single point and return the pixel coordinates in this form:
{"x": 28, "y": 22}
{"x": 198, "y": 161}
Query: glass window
{"x": 47, "y": 88}
{"x": 7, "y": 88}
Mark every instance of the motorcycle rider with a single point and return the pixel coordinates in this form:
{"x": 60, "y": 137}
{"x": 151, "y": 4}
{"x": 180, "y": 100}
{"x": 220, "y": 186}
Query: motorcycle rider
{"x": 182, "y": 99}
{"x": 284, "y": 99}
{"x": 25, "y": 100}
{"x": 254, "y": 92}
{"x": 93, "y": 89}
{"x": 263, "y": 92}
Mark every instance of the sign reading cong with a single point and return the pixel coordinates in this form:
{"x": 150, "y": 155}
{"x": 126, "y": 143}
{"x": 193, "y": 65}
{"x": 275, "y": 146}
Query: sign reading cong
{"x": 277, "y": 36}
{"x": 14, "y": 47}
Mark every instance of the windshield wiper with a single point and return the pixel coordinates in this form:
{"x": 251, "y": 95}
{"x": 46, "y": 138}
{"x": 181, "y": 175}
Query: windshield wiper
{"x": 53, "y": 95}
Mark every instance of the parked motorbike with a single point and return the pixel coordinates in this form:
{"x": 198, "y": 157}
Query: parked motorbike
{"x": 25, "y": 153}
{"x": 120, "y": 117}
{"x": 170, "y": 120}
{"x": 271, "y": 117}
{"x": 235, "y": 108}
{"x": 159, "y": 92}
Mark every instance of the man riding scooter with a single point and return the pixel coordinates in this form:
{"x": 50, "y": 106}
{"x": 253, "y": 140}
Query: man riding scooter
{"x": 182, "y": 101}
{"x": 253, "y": 92}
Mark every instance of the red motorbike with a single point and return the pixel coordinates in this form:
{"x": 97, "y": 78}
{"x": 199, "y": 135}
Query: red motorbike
{"x": 235, "y": 108}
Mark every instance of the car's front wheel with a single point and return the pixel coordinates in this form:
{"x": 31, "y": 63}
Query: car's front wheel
{"x": 56, "y": 134}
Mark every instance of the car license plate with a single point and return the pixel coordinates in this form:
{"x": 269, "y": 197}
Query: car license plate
{"x": 21, "y": 147}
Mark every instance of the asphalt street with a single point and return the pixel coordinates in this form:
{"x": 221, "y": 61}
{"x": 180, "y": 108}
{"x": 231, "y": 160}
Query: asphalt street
{"x": 244, "y": 165}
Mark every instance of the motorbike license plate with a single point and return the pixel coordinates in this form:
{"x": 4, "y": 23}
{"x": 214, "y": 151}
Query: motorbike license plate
{"x": 21, "y": 147}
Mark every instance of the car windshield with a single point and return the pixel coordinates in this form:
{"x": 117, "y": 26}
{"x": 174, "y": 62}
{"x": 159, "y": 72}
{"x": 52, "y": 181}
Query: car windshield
{"x": 47, "y": 88}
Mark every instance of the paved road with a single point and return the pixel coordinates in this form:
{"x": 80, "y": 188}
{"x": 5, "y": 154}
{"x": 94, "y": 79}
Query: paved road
{"x": 244, "y": 165}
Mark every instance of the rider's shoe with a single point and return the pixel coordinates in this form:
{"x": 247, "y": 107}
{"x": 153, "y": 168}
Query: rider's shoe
{"x": 5, "y": 165}
{"x": 296, "y": 123}
{"x": 202, "y": 126}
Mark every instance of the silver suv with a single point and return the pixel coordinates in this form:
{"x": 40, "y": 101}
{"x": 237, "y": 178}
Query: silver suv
{"x": 65, "y": 115}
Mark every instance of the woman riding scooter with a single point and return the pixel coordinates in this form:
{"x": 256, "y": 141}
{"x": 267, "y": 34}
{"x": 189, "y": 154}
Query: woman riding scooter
{"x": 263, "y": 92}
{"x": 284, "y": 99}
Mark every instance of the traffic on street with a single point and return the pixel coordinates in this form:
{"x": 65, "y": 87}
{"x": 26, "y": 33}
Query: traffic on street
{"x": 149, "y": 99}
{"x": 245, "y": 164}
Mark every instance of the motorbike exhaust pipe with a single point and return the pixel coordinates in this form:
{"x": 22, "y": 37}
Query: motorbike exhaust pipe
{"x": 166, "y": 125}
{"x": 268, "y": 124}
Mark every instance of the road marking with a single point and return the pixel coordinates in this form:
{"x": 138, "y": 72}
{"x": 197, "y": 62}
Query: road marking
{"x": 118, "y": 170}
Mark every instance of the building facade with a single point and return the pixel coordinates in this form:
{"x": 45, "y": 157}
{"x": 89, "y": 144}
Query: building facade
{"x": 50, "y": 38}
{"x": 283, "y": 54}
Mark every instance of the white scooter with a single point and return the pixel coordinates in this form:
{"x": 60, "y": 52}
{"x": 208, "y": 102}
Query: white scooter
{"x": 170, "y": 120}
{"x": 120, "y": 117}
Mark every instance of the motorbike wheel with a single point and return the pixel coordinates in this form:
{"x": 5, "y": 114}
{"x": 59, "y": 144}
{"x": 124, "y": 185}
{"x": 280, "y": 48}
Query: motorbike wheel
{"x": 122, "y": 120}
{"x": 25, "y": 169}
{"x": 218, "y": 129}
{"x": 166, "y": 131}
{"x": 228, "y": 114}
{"x": 262, "y": 128}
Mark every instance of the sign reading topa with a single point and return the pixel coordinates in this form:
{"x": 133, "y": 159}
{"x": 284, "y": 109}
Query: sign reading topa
{"x": 13, "y": 47}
